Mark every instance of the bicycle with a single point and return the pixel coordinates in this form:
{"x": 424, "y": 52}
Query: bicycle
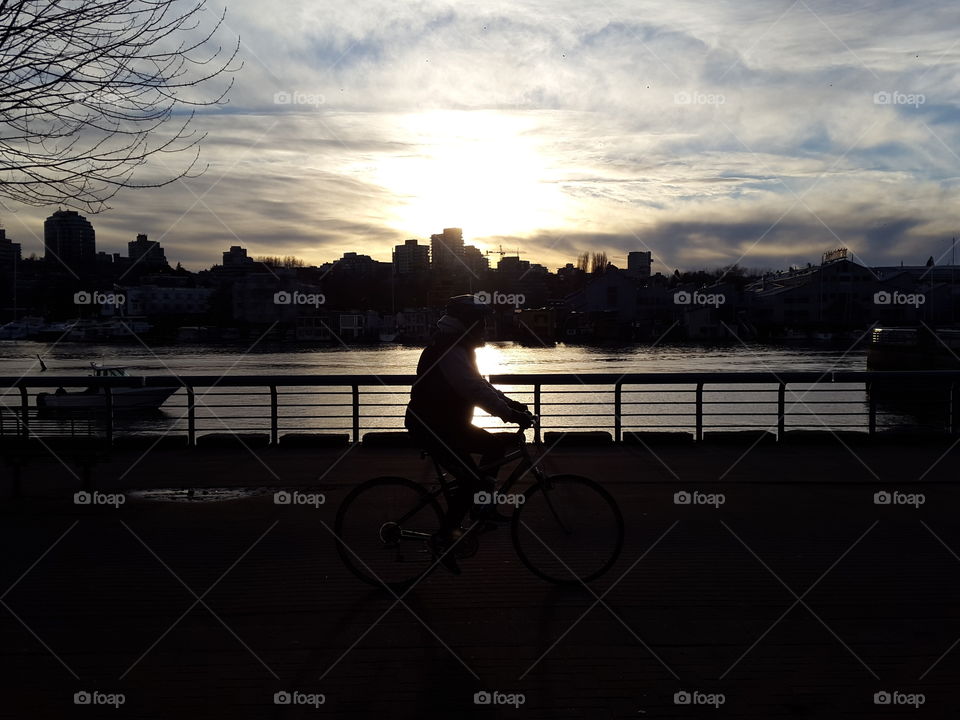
{"x": 567, "y": 529}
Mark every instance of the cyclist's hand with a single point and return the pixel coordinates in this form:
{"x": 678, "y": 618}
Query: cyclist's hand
{"x": 517, "y": 405}
{"x": 522, "y": 418}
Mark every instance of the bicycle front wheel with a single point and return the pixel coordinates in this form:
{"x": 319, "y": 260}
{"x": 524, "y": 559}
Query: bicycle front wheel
{"x": 569, "y": 530}
{"x": 382, "y": 528}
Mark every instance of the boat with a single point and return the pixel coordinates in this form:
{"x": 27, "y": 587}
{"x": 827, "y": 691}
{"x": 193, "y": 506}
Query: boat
{"x": 14, "y": 331}
{"x": 911, "y": 348}
{"x": 131, "y": 398}
{"x": 55, "y": 331}
{"x": 126, "y": 328}
{"x": 928, "y": 400}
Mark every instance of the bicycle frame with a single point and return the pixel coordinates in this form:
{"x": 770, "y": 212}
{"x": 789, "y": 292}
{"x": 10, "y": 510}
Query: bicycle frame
{"x": 527, "y": 464}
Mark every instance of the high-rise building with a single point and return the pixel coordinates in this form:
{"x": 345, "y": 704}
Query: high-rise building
{"x": 146, "y": 253}
{"x": 236, "y": 255}
{"x": 69, "y": 240}
{"x": 9, "y": 252}
{"x": 638, "y": 263}
{"x": 446, "y": 249}
{"x": 410, "y": 258}
{"x": 352, "y": 262}
{"x": 475, "y": 260}
{"x": 510, "y": 265}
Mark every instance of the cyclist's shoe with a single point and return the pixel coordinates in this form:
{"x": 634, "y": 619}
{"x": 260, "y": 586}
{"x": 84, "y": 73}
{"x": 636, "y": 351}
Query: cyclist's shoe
{"x": 442, "y": 546}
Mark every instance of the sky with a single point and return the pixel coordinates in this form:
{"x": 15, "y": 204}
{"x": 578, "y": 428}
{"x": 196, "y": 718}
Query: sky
{"x": 755, "y": 132}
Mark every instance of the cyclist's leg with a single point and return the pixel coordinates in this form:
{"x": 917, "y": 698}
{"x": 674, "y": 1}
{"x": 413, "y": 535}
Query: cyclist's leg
{"x": 447, "y": 448}
{"x": 462, "y": 491}
{"x": 491, "y": 446}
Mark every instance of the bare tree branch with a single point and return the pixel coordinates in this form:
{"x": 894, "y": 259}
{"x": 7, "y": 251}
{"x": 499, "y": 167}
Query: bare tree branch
{"x": 91, "y": 89}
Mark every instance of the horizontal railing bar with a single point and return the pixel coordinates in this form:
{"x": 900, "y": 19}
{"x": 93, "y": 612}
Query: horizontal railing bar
{"x": 733, "y": 378}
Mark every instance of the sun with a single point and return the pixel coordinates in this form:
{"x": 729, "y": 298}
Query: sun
{"x": 480, "y": 170}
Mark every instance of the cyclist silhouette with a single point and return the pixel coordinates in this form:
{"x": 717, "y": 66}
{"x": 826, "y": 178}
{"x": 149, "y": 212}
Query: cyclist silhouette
{"x": 442, "y": 401}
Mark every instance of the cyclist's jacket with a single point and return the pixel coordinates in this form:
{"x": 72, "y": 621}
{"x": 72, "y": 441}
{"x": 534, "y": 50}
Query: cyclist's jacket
{"x": 449, "y": 386}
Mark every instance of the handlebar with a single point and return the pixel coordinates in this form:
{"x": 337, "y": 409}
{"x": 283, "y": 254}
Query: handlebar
{"x": 534, "y": 423}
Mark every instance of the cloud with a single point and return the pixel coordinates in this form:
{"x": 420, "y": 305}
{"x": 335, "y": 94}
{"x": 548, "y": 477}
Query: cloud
{"x": 704, "y": 132}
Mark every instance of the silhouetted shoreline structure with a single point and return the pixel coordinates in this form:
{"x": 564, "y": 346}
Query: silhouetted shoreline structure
{"x": 356, "y": 298}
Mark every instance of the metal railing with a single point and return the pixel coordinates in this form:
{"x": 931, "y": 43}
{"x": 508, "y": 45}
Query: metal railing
{"x": 694, "y": 403}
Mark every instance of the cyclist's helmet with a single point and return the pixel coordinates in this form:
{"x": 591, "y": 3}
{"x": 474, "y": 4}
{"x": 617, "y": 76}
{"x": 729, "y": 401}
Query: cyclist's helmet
{"x": 467, "y": 309}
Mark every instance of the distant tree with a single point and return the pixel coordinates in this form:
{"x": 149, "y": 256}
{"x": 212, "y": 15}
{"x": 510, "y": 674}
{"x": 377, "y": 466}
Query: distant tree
{"x": 583, "y": 261}
{"x": 287, "y": 261}
{"x": 90, "y": 90}
{"x": 730, "y": 272}
{"x": 598, "y": 263}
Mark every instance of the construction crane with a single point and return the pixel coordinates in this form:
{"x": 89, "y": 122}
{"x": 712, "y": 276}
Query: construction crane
{"x": 501, "y": 252}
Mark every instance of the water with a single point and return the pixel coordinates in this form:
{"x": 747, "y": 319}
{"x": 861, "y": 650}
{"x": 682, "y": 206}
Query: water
{"x": 223, "y": 409}
{"x": 19, "y": 358}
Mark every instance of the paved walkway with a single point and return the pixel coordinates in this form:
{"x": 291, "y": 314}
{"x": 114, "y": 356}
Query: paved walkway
{"x": 798, "y": 597}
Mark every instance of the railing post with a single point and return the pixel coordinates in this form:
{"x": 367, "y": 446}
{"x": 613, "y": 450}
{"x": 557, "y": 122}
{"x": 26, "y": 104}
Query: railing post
{"x": 536, "y": 410}
{"x": 871, "y": 410}
{"x": 24, "y": 412}
{"x": 955, "y": 408}
{"x": 617, "y": 410}
{"x": 274, "y": 424}
{"x": 356, "y": 413}
{"x": 191, "y": 418}
{"x": 781, "y": 410}
{"x": 699, "y": 436}
{"x": 109, "y": 397}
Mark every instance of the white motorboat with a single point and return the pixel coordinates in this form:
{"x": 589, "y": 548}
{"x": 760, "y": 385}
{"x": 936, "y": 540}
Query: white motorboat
{"x": 14, "y": 331}
{"x": 130, "y": 398}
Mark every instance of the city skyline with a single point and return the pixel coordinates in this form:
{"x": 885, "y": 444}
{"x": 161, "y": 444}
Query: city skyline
{"x": 467, "y": 258}
{"x": 753, "y": 133}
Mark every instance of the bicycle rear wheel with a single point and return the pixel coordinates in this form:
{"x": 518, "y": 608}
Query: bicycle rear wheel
{"x": 382, "y": 527}
{"x": 569, "y": 530}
